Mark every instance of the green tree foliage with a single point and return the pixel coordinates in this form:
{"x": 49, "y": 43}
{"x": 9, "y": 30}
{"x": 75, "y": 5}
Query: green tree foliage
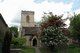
{"x": 14, "y": 31}
{"x": 52, "y": 34}
{"x": 17, "y": 41}
{"x": 6, "y": 42}
{"x": 75, "y": 27}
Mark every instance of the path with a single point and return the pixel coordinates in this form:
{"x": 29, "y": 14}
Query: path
{"x": 37, "y": 50}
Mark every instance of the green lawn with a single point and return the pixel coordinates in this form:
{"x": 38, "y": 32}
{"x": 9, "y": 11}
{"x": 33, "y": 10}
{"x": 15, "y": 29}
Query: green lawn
{"x": 28, "y": 50}
{"x": 44, "y": 50}
{"x": 68, "y": 50}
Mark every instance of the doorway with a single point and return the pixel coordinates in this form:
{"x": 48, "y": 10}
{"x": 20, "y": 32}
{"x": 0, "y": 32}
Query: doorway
{"x": 34, "y": 42}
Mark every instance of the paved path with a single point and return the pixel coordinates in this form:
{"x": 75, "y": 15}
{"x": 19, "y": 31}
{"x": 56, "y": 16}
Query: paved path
{"x": 37, "y": 50}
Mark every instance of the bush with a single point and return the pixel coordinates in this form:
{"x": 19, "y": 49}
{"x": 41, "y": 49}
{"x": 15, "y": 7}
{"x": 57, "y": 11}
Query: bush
{"x": 18, "y": 42}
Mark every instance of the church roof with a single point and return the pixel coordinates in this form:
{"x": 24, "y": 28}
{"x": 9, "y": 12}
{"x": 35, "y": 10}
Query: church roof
{"x": 30, "y": 30}
{"x": 1, "y": 17}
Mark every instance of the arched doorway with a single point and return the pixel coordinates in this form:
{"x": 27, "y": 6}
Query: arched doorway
{"x": 34, "y": 42}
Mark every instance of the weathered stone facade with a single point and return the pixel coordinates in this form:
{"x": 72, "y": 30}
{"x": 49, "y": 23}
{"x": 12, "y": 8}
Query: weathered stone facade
{"x": 3, "y": 28}
{"x": 29, "y": 28}
{"x": 27, "y": 19}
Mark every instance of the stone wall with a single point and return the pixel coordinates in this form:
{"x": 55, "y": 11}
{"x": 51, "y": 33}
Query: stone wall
{"x": 3, "y": 28}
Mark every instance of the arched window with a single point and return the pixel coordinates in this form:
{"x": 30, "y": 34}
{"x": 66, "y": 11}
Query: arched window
{"x": 27, "y": 18}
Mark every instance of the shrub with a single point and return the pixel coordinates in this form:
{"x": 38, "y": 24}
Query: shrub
{"x": 18, "y": 42}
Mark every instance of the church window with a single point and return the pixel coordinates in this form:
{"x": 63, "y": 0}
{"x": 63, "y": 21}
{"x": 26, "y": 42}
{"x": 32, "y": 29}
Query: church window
{"x": 27, "y": 18}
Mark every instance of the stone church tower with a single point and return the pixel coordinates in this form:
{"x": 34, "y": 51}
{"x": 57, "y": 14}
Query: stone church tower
{"x": 29, "y": 28}
{"x": 27, "y": 19}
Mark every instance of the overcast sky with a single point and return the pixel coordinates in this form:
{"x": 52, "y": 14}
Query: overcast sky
{"x": 11, "y": 9}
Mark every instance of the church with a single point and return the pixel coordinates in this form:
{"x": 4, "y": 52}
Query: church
{"x": 3, "y": 28}
{"x": 29, "y": 28}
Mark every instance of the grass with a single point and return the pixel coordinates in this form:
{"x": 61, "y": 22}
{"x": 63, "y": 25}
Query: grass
{"x": 45, "y": 50}
{"x": 28, "y": 50}
{"x": 68, "y": 50}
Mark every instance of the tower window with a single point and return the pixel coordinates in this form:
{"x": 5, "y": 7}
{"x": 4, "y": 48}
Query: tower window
{"x": 27, "y": 18}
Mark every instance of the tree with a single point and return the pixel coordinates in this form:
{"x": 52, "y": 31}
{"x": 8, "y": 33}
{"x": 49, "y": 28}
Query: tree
{"x": 14, "y": 31}
{"x": 52, "y": 34}
{"x": 75, "y": 27}
{"x": 6, "y": 42}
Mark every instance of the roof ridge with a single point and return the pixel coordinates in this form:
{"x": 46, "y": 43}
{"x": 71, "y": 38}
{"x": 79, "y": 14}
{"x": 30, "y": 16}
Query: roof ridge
{"x": 1, "y": 17}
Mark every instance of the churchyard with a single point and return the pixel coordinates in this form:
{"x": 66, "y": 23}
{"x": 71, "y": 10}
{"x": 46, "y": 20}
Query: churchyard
{"x": 51, "y": 36}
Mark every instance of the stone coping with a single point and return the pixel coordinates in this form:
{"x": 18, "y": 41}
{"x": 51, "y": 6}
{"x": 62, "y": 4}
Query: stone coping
{"x": 15, "y": 50}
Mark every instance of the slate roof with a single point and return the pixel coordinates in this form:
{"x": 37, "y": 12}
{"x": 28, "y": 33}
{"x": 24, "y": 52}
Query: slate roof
{"x": 3, "y": 20}
{"x": 30, "y": 30}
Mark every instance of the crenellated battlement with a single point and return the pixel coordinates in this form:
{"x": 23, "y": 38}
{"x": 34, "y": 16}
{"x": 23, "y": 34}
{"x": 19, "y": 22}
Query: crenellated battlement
{"x": 27, "y": 12}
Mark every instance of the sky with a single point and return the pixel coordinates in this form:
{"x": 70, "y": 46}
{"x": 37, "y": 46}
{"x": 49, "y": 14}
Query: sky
{"x": 11, "y": 9}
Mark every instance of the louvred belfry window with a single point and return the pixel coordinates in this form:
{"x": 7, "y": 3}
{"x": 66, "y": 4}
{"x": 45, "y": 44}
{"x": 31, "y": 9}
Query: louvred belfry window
{"x": 27, "y": 18}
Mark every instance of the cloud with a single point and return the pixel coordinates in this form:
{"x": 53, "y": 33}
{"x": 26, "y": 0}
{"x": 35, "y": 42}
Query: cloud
{"x": 77, "y": 11}
{"x": 11, "y": 9}
{"x": 57, "y": 1}
{"x": 38, "y": 1}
